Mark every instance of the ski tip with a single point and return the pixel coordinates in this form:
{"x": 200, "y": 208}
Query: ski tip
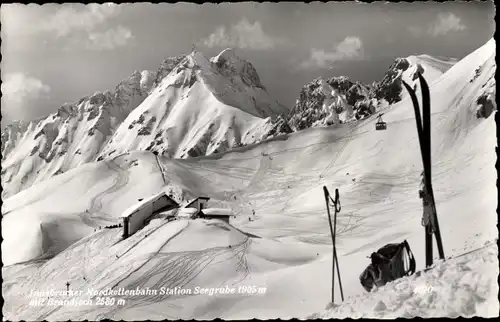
{"x": 408, "y": 87}
{"x": 422, "y": 80}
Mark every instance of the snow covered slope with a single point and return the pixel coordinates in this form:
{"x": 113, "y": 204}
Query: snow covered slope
{"x": 72, "y": 136}
{"x": 279, "y": 240}
{"x": 200, "y": 107}
{"x": 460, "y": 287}
{"x": 429, "y": 66}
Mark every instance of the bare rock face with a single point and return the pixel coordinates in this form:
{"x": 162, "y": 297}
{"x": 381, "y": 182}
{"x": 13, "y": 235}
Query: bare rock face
{"x": 391, "y": 86}
{"x": 280, "y": 126}
{"x": 11, "y": 134}
{"x": 486, "y": 99}
{"x": 321, "y": 101}
{"x": 165, "y": 68}
{"x": 229, "y": 64}
{"x": 308, "y": 106}
{"x": 487, "y": 105}
{"x": 364, "y": 108}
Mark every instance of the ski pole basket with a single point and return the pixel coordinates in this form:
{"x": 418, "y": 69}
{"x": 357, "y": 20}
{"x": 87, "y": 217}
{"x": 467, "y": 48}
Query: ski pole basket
{"x": 380, "y": 125}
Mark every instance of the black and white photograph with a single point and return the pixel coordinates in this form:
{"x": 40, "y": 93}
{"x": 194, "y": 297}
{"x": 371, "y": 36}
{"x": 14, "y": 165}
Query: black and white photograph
{"x": 275, "y": 160}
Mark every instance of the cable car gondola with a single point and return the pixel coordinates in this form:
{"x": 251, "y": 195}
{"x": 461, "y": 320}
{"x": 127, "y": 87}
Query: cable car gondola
{"x": 380, "y": 125}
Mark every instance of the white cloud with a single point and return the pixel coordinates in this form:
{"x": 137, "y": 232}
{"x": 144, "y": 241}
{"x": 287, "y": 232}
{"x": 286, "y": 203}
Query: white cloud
{"x": 77, "y": 25}
{"x": 18, "y": 89}
{"x": 109, "y": 39}
{"x": 349, "y": 48}
{"x": 446, "y": 23}
{"x": 242, "y": 35}
{"x": 67, "y": 19}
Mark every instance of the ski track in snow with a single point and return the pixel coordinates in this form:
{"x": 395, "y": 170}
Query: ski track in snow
{"x": 94, "y": 210}
{"x": 162, "y": 171}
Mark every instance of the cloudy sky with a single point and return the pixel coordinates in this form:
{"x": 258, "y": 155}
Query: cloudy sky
{"x": 54, "y": 54}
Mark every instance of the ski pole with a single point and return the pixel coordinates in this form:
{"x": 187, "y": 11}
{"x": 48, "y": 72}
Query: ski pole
{"x": 327, "y": 197}
{"x": 338, "y": 275}
{"x": 337, "y": 209}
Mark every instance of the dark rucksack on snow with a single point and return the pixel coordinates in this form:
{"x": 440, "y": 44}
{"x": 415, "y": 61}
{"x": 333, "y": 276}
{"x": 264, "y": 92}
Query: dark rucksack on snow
{"x": 388, "y": 264}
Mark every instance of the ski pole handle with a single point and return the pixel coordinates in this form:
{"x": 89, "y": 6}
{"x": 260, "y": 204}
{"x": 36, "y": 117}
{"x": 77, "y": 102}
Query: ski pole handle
{"x": 338, "y": 207}
{"x": 327, "y": 193}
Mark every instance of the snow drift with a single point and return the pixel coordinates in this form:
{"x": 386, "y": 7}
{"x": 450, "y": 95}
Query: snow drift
{"x": 460, "y": 287}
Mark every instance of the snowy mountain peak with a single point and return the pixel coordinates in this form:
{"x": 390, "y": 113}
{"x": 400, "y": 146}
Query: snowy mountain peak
{"x": 227, "y": 58}
{"x": 429, "y": 66}
{"x": 320, "y": 98}
{"x": 135, "y": 74}
{"x": 177, "y": 100}
{"x": 165, "y": 68}
{"x": 200, "y": 106}
{"x": 390, "y": 87}
{"x": 67, "y": 109}
{"x": 229, "y": 64}
{"x": 196, "y": 59}
{"x": 227, "y": 54}
{"x": 320, "y": 103}
{"x": 138, "y": 80}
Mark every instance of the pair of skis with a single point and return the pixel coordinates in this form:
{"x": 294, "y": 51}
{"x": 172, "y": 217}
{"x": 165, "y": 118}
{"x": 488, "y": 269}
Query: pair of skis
{"x": 430, "y": 220}
{"x": 337, "y": 208}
